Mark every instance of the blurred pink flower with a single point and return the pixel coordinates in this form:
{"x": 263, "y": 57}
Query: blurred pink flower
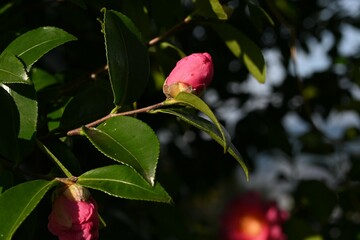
{"x": 248, "y": 217}
{"x": 191, "y": 74}
{"x": 74, "y": 217}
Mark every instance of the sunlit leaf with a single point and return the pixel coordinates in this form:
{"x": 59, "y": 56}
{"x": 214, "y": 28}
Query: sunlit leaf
{"x": 129, "y": 141}
{"x": 243, "y": 48}
{"x": 122, "y": 181}
{"x": 18, "y": 202}
{"x": 32, "y": 45}
{"x": 12, "y": 70}
{"x": 210, "y": 9}
{"x": 127, "y": 58}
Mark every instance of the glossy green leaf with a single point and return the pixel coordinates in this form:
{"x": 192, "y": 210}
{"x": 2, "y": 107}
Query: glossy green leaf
{"x": 243, "y": 48}
{"x": 12, "y": 70}
{"x": 8, "y": 138}
{"x": 20, "y": 105}
{"x": 122, "y": 181}
{"x": 32, "y": 45}
{"x": 129, "y": 141}
{"x": 24, "y": 97}
{"x": 209, "y": 128}
{"x": 127, "y": 58}
{"x": 192, "y": 100}
{"x": 17, "y": 203}
{"x": 210, "y": 9}
{"x": 42, "y": 79}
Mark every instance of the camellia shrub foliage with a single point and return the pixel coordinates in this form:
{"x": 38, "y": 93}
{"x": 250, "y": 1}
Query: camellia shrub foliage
{"x": 40, "y": 121}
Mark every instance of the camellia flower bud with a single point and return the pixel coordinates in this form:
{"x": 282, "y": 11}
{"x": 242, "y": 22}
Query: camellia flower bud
{"x": 191, "y": 74}
{"x": 250, "y": 218}
{"x": 74, "y": 214}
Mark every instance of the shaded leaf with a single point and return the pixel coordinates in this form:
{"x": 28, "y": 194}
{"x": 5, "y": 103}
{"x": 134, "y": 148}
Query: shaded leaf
{"x": 258, "y": 15}
{"x": 122, "y": 181}
{"x": 129, "y": 141}
{"x": 42, "y": 79}
{"x": 165, "y": 56}
{"x": 310, "y": 195}
{"x": 209, "y": 128}
{"x": 64, "y": 154}
{"x": 18, "y": 202}
{"x": 90, "y": 104}
{"x": 12, "y": 70}
{"x": 20, "y": 106}
{"x": 6, "y": 179}
{"x": 8, "y": 138}
{"x": 192, "y": 100}
{"x": 127, "y": 58}
{"x": 25, "y": 100}
{"x": 32, "y": 45}
{"x": 243, "y": 48}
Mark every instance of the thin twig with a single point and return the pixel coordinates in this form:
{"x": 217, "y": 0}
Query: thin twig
{"x": 101, "y": 120}
{"x": 170, "y": 31}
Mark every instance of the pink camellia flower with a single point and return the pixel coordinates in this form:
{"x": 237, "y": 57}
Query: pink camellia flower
{"x": 74, "y": 215}
{"x": 191, "y": 74}
{"x": 249, "y": 217}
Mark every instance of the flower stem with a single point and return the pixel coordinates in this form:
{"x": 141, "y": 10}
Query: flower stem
{"x": 54, "y": 158}
{"x": 170, "y": 31}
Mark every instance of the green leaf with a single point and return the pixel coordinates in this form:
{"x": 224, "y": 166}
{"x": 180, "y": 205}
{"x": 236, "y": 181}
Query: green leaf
{"x": 122, "y": 181}
{"x": 127, "y": 58}
{"x": 9, "y": 147}
{"x": 129, "y": 141}
{"x": 314, "y": 237}
{"x": 64, "y": 154}
{"x": 165, "y": 56}
{"x": 209, "y": 128}
{"x": 192, "y": 100}
{"x": 47, "y": 151}
{"x": 32, "y": 45}
{"x": 26, "y": 103}
{"x": 210, "y": 9}
{"x": 17, "y": 203}
{"x": 20, "y": 119}
{"x": 42, "y": 79}
{"x": 12, "y": 70}
{"x": 243, "y": 48}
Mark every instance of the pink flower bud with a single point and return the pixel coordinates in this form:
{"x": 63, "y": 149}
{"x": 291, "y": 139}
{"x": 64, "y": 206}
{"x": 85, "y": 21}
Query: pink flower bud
{"x": 74, "y": 215}
{"x": 191, "y": 74}
{"x": 251, "y": 218}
